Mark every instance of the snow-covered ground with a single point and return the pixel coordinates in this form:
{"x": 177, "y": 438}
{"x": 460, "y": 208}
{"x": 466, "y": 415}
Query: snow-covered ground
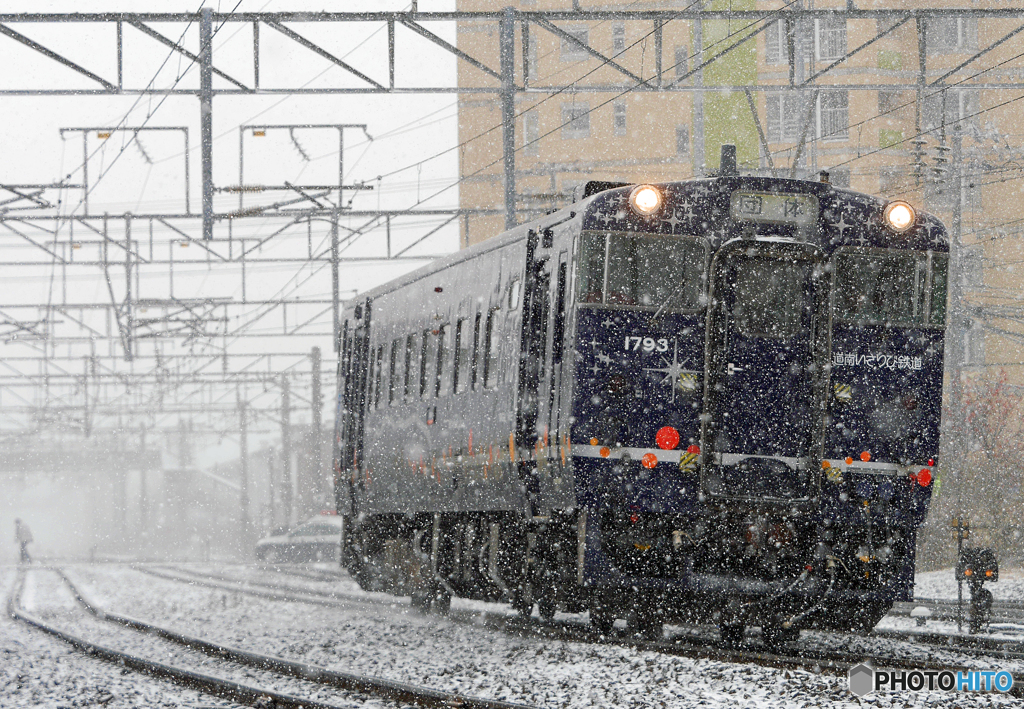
{"x": 39, "y": 671}
{"x": 390, "y": 640}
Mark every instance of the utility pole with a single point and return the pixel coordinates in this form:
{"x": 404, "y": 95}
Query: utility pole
{"x": 206, "y": 115}
{"x": 958, "y": 324}
{"x": 315, "y": 457}
{"x": 287, "y": 486}
{"x": 335, "y": 283}
{"x": 699, "y": 161}
{"x": 143, "y": 482}
{"x": 243, "y": 456}
{"x": 506, "y": 55}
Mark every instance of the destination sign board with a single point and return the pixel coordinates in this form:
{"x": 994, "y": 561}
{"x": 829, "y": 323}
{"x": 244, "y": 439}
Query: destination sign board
{"x": 775, "y": 207}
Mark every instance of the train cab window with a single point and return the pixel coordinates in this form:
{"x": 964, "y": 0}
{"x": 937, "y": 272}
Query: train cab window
{"x": 443, "y": 375}
{"x": 463, "y": 355}
{"x": 476, "y": 350}
{"x": 426, "y": 385}
{"x": 491, "y": 345}
{"x": 410, "y": 367}
{"x": 771, "y": 296}
{"x": 890, "y": 287}
{"x": 396, "y": 349}
{"x": 378, "y": 374}
{"x": 642, "y": 271}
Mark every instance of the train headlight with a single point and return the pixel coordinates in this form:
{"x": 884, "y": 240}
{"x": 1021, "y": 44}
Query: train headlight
{"x": 899, "y": 216}
{"x": 645, "y": 200}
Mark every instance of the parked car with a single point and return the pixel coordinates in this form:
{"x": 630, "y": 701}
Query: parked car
{"x": 316, "y": 539}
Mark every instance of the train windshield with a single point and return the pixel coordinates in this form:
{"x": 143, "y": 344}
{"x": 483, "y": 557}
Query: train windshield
{"x": 891, "y": 287}
{"x": 642, "y": 271}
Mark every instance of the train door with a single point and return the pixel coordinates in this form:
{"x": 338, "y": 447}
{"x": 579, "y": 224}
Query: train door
{"x": 532, "y": 361}
{"x": 355, "y": 357}
{"x": 558, "y": 322}
{"x": 763, "y": 415}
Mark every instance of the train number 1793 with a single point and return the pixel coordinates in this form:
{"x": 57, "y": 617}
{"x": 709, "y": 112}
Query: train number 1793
{"x": 647, "y": 344}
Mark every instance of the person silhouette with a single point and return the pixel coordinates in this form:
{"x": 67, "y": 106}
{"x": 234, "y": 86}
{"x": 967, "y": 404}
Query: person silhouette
{"x": 23, "y": 536}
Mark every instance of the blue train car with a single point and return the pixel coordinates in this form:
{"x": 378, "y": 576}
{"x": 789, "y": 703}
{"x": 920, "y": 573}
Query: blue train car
{"x": 715, "y": 400}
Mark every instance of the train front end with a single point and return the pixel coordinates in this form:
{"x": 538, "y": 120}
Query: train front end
{"x": 758, "y": 383}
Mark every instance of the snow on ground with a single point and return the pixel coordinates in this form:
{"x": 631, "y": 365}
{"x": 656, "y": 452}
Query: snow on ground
{"x": 391, "y": 640}
{"x": 51, "y": 600}
{"x": 942, "y": 584}
{"x": 37, "y": 670}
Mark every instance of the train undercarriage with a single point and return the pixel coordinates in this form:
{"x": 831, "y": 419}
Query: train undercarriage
{"x": 730, "y": 568}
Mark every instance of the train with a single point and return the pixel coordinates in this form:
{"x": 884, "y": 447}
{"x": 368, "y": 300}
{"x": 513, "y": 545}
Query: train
{"x": 711, "y": 401}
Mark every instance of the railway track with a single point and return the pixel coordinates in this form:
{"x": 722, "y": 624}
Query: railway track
{"x": 687, "y": 645}
{"x": 942, "y": 609}
{"x": 241, "y": 693}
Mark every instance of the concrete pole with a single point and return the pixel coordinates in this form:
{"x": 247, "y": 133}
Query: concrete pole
{"x": 506, "y": 51}
{"x": 315, "y": 440}
{"x": 206, "y": 115}
{"x": 243, "y": 456}
{"x": 287, "y": 484}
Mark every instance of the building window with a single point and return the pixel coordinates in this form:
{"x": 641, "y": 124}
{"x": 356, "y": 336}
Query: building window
{"x": 572, "y": 51}
{"x": 890, "y": 180}
{"x": 939, "y": 195}
{"x": 777, "y": 41}
{"x": 531, "y": 133}
{"x": 682, "y": 64}
{"x": 974, "y": 344}
{"x": 971, "y": 260}
{"x": 835, "y": 115}
{"x": 575, "y": 120}
{"x": 775, "y": 51}
{"x": 888, "y": 101}
{"x": 619, "y": 117}
{"x": 682, "y": 140}
{"x": 531, "y": 59}
{"x": 618, "y": 38}
{"x": 839, "y": 177}
{"x": 784, "y": 114}
{"x": 831, "y": 38}
{"x": 948, "y": 107}
{"x": 948, "y": 35}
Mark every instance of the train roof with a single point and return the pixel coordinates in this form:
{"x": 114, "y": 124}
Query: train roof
{"x": 698, "y": 207}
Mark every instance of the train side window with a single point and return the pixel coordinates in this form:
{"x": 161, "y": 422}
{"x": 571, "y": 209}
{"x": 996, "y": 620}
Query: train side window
{"x": 939, "y": 278}
{"x": 491, "y": 345}
{"x": 410, "y": 362}
{"x": 396, "y": 349}
{"x": 443, "y": 378}
{"x": 378, "y": 373}
{"x": 476, "y": 349}
{"x": 463, "y": 351}
{"x": 425, "y": 351}
{"x": 515, "y": 292}
{"x": 887, "y": 287}
{"x": 559, "y": 330}
{"x": 590, "y": 280}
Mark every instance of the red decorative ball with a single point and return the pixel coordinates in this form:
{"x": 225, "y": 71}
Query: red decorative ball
{"x": 667, "y": 438}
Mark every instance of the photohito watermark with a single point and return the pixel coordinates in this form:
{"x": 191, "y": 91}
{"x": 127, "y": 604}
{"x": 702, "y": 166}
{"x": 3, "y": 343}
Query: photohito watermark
{"x": 865, "y": 679}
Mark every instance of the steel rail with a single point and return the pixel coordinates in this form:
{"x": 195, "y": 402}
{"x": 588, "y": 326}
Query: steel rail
{"x": 702, "y": 647}
{"x": 216, "y": 686}
{"x": 378, "y": 687}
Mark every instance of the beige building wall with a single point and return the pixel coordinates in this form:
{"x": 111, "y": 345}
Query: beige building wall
{"x": 895, "y": 143}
